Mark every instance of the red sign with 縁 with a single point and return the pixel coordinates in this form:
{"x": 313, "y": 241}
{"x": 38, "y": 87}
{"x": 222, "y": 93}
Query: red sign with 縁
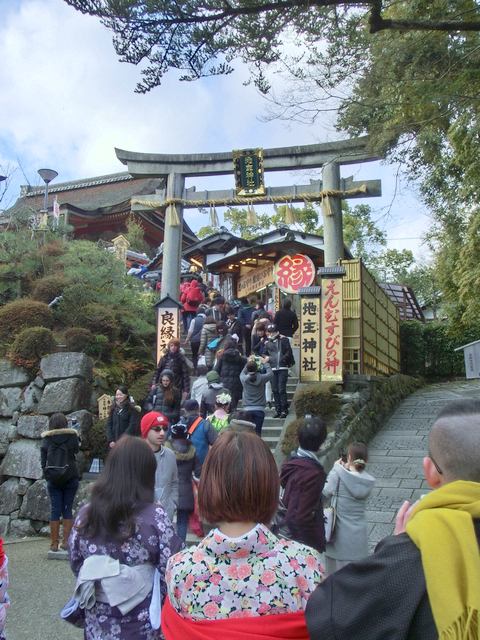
{"x": 294, "y": 272}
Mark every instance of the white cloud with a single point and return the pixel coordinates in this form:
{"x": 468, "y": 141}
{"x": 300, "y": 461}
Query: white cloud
{"x": 66, "y": 102}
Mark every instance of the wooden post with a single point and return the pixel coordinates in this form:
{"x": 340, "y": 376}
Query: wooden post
{"x": 121, "y": 245}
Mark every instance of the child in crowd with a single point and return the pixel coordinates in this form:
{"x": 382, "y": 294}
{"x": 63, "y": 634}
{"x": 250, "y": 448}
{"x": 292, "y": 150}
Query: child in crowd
{"x": 220, "y": 418}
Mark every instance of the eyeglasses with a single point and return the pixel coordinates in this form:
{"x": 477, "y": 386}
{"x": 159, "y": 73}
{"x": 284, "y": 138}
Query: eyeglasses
{"x": 435, "y": 464}
{"x": 158, "y": 429}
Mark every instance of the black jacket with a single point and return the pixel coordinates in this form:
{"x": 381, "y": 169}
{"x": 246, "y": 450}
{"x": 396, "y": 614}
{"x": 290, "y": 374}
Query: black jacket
{"x": 56, "y": 437}
{"x": 229, "y": 367}
{"x": 177, "y": 363}
{"x": 286, "y": 321}
{"x": 122, "y": 420}
{"x": 156, "y": 402}
{"x": 280, "y": 352}
{"x": 383, "y": 596}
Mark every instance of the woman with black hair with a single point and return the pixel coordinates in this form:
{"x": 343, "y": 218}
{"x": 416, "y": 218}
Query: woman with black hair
{"x": 57, "y": 454}
{"x": 165, "y": 397}
{"x": 123, "y": 418}
{"x": 129, "y": 537}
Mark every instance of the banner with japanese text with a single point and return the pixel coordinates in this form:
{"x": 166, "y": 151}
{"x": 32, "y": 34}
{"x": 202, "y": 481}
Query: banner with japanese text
{"x": 332, "y": 330}
{"x": 310, "y": 339}
{"x": 168, "y": 327}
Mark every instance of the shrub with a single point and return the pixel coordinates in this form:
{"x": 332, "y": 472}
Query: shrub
{"x": 78, "y": 339}
{"x": 47, "y": 288}
{"x": 317, "y": 400}
{"x": 99, "y": 319}
{"x": 96, "y": 440}
{"x": 22, "y": 313}
{"x": 31, "y": 345}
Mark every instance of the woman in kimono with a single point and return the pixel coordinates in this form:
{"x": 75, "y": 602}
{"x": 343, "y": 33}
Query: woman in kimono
{"x": 122, "y": 523}
{"x": 241, "y": 582}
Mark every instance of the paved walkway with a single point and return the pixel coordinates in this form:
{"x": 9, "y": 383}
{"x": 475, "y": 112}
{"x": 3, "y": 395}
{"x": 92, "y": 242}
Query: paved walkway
{"x": 396, "y": 453}
{"x": 40, "y": 587}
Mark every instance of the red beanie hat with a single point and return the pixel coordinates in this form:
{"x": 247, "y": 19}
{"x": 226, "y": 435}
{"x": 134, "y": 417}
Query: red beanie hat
{"x": 152, "y": 419}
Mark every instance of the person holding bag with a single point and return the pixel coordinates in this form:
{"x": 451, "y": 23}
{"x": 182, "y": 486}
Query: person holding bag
{"x": 57, "y": 455}
{"x": 352, "y": 485}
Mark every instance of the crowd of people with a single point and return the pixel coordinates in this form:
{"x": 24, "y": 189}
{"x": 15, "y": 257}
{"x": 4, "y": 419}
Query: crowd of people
{"x": 268, "y": 568}
{"x": 257, "y": 573}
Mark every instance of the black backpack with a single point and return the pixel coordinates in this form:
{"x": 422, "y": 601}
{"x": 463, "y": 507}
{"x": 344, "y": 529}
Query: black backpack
{"x": 57, "y": 469}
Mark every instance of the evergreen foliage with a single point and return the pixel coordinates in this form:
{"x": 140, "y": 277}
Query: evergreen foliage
{"x": 30, "y": 345}
{"x": 22, "y": 313}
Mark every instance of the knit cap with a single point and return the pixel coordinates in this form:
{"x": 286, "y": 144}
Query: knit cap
{"x": 152, "y": 419}
{"x": 213, "y": 376}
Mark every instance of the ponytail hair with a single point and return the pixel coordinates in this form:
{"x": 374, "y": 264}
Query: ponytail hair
{"x": 358, "y": 453}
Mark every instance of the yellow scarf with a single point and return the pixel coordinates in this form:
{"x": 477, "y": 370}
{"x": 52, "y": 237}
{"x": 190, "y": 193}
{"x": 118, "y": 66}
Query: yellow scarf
{"x": 441, "y": 527}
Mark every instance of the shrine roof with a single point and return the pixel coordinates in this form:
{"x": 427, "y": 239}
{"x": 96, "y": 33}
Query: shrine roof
{"x": 404, "y": 299}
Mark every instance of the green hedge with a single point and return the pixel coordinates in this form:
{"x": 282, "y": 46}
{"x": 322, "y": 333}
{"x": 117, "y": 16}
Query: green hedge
{"x": 30, "y": 346}
{"x": 428, "y": 349}
{"x": 22, "y": 313}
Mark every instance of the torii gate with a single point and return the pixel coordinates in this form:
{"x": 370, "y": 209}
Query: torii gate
{"x": 330, "y": 156}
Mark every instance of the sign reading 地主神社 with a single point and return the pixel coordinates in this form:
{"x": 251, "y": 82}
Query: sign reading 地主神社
{"x": 294, "y": 272}
{"x": 248, "y": 168}
{"x": 310, "y": 338}
{"x": 331, "y": 353}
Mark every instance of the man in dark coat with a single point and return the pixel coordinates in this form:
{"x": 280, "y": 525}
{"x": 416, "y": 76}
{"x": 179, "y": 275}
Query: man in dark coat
{"x": 229, "y": 366}
{"x": 286, "y": 319}
{"x": 280, "y": 357}
{"x": 301, "y": 479}
{"x": 244, "y": 316}
{"x": 422, "y": 583}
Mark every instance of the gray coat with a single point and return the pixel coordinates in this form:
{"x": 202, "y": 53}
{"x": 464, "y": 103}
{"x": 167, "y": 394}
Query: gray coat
{"x": 254, "y": 388}
{"x": 166, "y": 480}
{"x": 350, "y": 540}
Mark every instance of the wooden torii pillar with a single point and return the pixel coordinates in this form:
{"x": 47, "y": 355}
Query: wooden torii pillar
{"x": 175, "y": 168}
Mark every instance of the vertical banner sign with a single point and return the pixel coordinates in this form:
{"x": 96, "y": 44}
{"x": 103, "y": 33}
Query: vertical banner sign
{"x": 310, "y": 339}
{"x": 168, "y": 323}
{"x": 248, "y": 169}
{"x": 332, "y": 330}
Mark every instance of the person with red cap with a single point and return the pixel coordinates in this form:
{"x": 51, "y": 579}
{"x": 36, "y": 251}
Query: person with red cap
{"x": 154, "y": 429}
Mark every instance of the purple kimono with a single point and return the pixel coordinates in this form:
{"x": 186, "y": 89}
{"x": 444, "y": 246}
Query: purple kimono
{"x": 154, "y": 542}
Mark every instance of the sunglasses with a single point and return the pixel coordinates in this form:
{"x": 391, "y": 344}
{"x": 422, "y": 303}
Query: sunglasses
{"x": 435, "y": 464}
{"x": 158, "y": 429}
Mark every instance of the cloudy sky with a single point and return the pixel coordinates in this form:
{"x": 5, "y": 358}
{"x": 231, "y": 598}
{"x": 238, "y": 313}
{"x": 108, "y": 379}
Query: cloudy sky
{"x": 66, "y": 102}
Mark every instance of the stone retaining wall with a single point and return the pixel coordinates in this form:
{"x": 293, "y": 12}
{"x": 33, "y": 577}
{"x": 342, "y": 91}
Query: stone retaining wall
{"x": 62, "y": 385}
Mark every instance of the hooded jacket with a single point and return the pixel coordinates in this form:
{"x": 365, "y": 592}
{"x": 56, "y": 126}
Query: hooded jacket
{"x": 350, "y": 541}
{"x": 279, "y": 351}
{"x": 57, "y": 438}
{"x": 207, "y": 406}
{"x": 302, "y": 481}
{"x": 124, "y": 419}
{"x": 192, "y": 297}
{"x": 187, "y": 464}
{"x": 156, "y": 401}
{"x": 254, "y": 388}
{"x": 177, "y": 363}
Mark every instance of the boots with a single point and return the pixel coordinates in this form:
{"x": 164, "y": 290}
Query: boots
{"x": 67, "y": 527}
{"x": 54, "y": 534}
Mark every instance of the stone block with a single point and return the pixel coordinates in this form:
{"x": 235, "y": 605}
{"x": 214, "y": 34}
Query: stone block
{"x": 4, "y": 522}
{"x": 31, "y": 398}
{"x": 21, "y": 529}
{"x": 23, "y": 486}
{"x": 9, "y": 498}
{"x": 82, "y": 496}
{"x": 10, "y": 401}
{"x": 84, "y": 422}
{"x": 12, "y": 376}
{"x": 64, "y": 396}
{"x": 4, "y": 436}
{"x": 22, "y": 460}
{"x": 36, "y": 503}
{"x": 32, "y": 426}
{"x": 39, "y": 382}
{"x": 66, "y": 365}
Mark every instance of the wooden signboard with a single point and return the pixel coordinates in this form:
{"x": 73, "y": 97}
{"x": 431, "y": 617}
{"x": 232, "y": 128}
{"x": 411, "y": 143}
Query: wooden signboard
{"x": 254, "y": 280}
{"x": 168, "y": 323}
{"x": 309, "y": 364}
{"x": 332, "y": 330}
{"x": 104, "y": 406}
{"x": 248, "y": 169}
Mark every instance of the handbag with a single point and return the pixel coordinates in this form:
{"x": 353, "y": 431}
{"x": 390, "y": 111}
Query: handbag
{"x": 279, "y": 525}
{"x": 213, "y": 344}
{"x": 330, "y": 516}
{"x": 202, "y": 361}
{"x": 194, "y": 522}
